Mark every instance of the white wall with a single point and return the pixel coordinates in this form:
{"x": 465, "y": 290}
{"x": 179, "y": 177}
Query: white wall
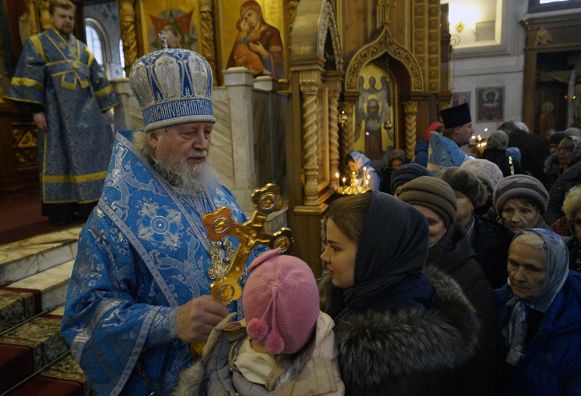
{"x": 495, "y": 64}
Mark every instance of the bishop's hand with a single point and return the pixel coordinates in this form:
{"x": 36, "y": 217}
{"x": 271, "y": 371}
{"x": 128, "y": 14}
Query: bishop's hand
{"x": 196, "y": 318}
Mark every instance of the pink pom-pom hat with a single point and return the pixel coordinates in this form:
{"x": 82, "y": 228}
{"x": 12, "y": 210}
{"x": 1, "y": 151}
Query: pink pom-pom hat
{"x": 281, "y": 302}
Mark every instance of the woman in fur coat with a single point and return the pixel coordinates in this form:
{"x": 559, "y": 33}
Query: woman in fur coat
{"x": 399, "y": 331}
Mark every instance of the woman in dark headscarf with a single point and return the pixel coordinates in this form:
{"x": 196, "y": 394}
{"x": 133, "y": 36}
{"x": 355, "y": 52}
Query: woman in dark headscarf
{"x": 540, "y": 317}
{"x": 399, "y": 331}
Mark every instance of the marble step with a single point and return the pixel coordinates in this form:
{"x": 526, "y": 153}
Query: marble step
{"x": 29, "y": 296}
{"x": 30, "y": 256}
{"x": 28, "y": 348}
{"x": 52, "y": 284}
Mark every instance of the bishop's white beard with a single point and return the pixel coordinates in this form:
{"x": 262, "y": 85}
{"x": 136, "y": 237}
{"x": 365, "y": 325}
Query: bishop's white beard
{"x": 186, "y": 177}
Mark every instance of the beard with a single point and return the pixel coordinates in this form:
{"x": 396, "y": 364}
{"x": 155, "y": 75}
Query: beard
{"x": 187, "y": 177}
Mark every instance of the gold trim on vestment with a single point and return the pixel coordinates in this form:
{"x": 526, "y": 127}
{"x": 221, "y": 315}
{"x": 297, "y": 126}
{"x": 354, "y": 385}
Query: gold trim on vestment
{"x": 74, "y": 179}
{"x": 104, "y": 91}
{"x": 90, "y": 55}
{"x": 27, "y": 82}
{"x": 64, "y": 84}
{"x": 23, "y": 100}
{"x": 37, "y": 44}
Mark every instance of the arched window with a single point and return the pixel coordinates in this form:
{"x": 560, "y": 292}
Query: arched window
{"x": 122, "y": 57}
{"x": 97, "y": 41}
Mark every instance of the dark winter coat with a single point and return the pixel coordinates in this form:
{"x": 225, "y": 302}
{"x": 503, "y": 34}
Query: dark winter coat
{"x": 490, "y": 241}
{"x": 408, "y": 351}
{"x": 569, "y": 179}
{"x": 551, "y": 362}
{"x": 454, "y": 256}
{"x": 552, "y": 169}
{"x": 499, "y": 157}
{"x": 533, "y": 150}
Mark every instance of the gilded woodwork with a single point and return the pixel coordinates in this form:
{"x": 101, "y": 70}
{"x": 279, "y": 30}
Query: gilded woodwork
{"x": 292, "y": 8}
{"x": 444, "y": 101}
{"x": 44, "y": 14}
{"x": 207, "y": 46}
{"x": 411, "y": 113}
{"x": 33, "y": 17}
{"x": 322, "y": 138}
{"x": 420, "y": 32}
{"x": 128, "y": 32}
{"x": 382, "y": 12}
{"x": 314, "y": 31}
{"x": 334, "y": 86}
{"x": 543, "y": 38}
{"x": 310, "y": 83}
{"x": 349, "y": 133}
{"x": 310, "y": 31}
{"x": 434, "y": 46}
{"x": 426, "y": 40}
{"x": 382, "y": 44}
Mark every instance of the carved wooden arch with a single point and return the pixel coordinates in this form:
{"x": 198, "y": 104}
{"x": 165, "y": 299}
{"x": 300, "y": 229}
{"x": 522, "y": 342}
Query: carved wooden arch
{"x": 314, "y": 20}
{"x": 383, "y": 43}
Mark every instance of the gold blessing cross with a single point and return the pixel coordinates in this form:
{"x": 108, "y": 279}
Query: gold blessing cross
{"x": 220, "y": 224}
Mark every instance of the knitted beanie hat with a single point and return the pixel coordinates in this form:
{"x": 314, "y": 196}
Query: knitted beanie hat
{"x": 408, "y": 172}
{"x": 431, "y": 193}
{"x": 520, "y": 186}
{"x": 464, "y": 182}
{"x": 487, "y": 171}
{"x": 497, "y": 140}
{"x": 281, "y": 302}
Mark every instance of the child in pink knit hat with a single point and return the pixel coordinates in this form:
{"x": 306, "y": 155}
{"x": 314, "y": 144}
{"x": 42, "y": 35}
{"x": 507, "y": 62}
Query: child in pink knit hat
{"x": 285, "y": 344}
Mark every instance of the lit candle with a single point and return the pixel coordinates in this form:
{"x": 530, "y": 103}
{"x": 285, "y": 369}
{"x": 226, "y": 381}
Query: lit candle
{"x": 344, "y": 180}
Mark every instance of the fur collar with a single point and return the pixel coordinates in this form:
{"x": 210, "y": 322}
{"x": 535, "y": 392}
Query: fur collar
{"x": 376, "y": 346}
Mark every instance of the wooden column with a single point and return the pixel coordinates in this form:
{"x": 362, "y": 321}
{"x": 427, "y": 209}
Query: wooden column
{"x": 310, "y": 83}
{"x": 207, "y": 45}
{"x": 128, "y": 32}
{"x": 410, "y": 112}
{"x": 334, "y": 85}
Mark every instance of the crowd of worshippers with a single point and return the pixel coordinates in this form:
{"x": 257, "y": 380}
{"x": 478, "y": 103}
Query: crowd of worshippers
{"x": 504, "y": 225}
{"x": 450, "y": 284}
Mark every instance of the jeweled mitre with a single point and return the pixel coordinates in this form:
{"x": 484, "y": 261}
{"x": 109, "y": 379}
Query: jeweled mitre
{"x": 172, "y": 86}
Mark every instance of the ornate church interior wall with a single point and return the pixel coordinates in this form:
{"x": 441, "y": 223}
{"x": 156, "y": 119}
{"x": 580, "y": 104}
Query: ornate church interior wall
{"x": 487, "y": 67}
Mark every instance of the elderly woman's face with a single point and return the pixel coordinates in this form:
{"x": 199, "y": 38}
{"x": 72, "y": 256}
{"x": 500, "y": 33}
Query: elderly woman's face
{"x": 527, "y": 270}
{"x": 516, "y": 215}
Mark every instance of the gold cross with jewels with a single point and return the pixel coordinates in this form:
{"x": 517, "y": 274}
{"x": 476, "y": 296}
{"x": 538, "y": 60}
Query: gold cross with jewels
{"x": 220, "y": 224}
{"x": 250, "y": 234}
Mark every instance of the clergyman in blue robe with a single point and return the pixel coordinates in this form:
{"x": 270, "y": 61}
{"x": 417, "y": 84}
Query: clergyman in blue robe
{"x": 63, "y": 84}
{"x": 144, "y": 258}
